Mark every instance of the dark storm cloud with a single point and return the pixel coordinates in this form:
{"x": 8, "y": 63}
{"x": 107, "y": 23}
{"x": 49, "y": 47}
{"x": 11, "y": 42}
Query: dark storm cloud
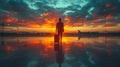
{"x": 22, "y": 10}
{"x": 78, "y": 10}
{"x": 101, "y": 8}
{"x": 11, "y": 6}
{"x": 98, "y": 9}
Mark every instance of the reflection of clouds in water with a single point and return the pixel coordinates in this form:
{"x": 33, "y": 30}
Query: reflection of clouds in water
{"x": 32, "y": 63}
{"x": 63, "y": 65}
{"x": 90, "y": 59}
{"x": 79, "y": 56}
{"x": 86, "y": 52}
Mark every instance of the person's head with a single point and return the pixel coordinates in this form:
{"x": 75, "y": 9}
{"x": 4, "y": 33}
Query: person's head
{"x": 60, "y": 19}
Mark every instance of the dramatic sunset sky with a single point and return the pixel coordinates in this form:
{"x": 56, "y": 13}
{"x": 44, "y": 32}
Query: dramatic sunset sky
{"x": 42, "y": 15}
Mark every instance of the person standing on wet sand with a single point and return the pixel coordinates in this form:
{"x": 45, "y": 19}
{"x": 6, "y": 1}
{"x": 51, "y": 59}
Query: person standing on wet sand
{"x": 60, "y": 27}
{"x": 58, "y": 42}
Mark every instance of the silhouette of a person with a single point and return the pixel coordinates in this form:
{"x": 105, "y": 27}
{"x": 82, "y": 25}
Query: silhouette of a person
{"x": 58, "y": 42}
{"x": 60, "y": 27}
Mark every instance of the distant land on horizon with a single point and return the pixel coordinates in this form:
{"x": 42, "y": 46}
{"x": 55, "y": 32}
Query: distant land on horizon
{"x": 65, "y": 34}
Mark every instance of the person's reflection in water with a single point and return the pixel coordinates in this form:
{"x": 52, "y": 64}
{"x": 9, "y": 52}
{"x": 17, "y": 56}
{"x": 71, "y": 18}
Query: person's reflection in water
{"x": 58, "y": 43}
{"x": 79, "y": 37}
{"x": 58, "y": 50}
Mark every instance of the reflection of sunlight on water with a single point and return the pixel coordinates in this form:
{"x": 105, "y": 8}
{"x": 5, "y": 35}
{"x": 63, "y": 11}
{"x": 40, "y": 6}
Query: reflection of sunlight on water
{"x": 66, "y": 40}
{"x": 48, "y": 42}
